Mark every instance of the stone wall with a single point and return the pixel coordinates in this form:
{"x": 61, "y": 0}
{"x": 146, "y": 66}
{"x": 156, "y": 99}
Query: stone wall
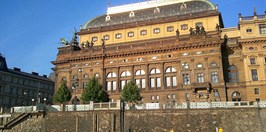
{"x": 204, "y": 120}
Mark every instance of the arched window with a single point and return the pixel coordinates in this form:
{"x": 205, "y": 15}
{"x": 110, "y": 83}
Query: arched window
{"x": 170, "y": 69}
{"x": 170, "y": 77}
{"x": 140, "y": 78}
{"x": 111, "y": 74}
{"x": 125, "y": 78}
{"x": 233, "y": 73}
{"x": 155, "y": 71}
{"x": 140, "y": 72}
{"x": 236, "y": 96}
{"x": 155, "y": 80}
{"x": 125, "y": 74}
{"x": 111, "y": 81}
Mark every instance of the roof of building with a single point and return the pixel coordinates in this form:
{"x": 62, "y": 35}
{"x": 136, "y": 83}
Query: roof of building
{"x": 16, "y": 71}
{"x": 149, "y": 10}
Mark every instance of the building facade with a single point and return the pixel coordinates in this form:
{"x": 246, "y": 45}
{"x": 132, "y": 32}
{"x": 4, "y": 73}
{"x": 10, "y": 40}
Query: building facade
{"x": 174, "y": 50}
{"x": 18, "y": 88}
{"x": 246, "y": 66}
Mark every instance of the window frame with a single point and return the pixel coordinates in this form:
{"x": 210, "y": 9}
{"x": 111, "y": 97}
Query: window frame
{"x": 262, "y": 28}
{"x": 170, "y": 29}
{"x": 254, "y": 75}
{"x": 184, "y": 27}
{"x": 118, "y": 36}
{"x": 156, "y": 30}
{"x": 130, "y": 34}
{"x": 214, "y": 77}
{"x": 143, "y": 32}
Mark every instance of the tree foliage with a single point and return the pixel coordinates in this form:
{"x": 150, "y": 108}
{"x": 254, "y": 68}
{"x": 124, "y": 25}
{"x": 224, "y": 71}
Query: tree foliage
{"x": 94, "y": 92}
{"x": 63, "y": 94}
{"x": 131, "y": 93}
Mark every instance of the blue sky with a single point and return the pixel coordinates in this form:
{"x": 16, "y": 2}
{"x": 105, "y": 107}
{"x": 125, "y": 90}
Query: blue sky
{"x": 30, "y": 29}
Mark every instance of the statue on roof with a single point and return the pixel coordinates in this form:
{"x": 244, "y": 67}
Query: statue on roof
{"x": 202, "y": 30}
{"x": 177, "y": 33}
{"x": 92, "y": 44}
{"x": 74, "y": 40}
{"x": 218, "y": 29}
{"x": 64, "y": 41}
{"x": 197, "y": 30}
{"x": 191, "y": 31}
{"x": 103, "y": 43}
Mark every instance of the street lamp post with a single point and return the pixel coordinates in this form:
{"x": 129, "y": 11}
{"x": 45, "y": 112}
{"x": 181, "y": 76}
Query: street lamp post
{"x": 44, "y": 101}
{"x": 32, "y": 102}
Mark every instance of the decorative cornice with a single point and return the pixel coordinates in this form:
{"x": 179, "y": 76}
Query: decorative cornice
{"x": 144, "y": 51}
{"x": 252, "y": 41}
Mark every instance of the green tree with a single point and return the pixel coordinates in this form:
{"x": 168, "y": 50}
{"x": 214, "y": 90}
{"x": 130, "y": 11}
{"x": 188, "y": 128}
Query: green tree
{"x": 63, "y": 94}
{"x": 131, "y": 93}
{"x": 94, "y": 92}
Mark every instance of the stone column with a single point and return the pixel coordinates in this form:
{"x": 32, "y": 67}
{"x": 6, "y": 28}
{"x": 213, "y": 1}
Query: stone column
{"x": 162, "y": 76}
{"x": 147, "y": 77}
{"x": 117, "y": 80}
{"x": 206, "y": 73}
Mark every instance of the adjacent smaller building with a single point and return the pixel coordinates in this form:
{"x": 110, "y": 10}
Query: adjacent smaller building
{"x": 19, "y": 88}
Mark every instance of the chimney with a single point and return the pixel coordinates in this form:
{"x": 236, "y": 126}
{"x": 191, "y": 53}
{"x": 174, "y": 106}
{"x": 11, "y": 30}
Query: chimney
{"x": 35, "y": 73}
{"x": 17, "y": 69}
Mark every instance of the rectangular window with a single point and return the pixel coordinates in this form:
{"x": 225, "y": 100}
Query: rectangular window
{"x": 94, "y": 39}
{"x": 143, "y": 32}
{"x": 248, "y": 30}
{"x": 254, "y": 75}
{"x": 114, "y": 85}
{"x": 118, "y": 36}
{"x": 262, "y": 28}
{"x": 216, "y": 93}
{"x": 185, "y": 65}
{"x": 170, "y": 29}
{"x": 200, "y": 78}
{"x": 156, "y": 30}
{"x": 123, "y": 83}
{"x": 256, "y": 91}
{"x": 109, "y": 86}
{"x": 130, "y": 34}
{"x": 252, "y": 61}
{"x": 138, "y": 82}
{"x": 174, "y": 81}
{"x": 186, "y": 79}
{"x": 199, "y": 24}
{"x": 168, "y": 81}
{"x": 84, "y": 85}
{"x": 214, "y": 76}
{"x": 184, "y": 27}
{"x": 143, "y": 83}
{"x": 158, "y": 82}
{"x": 152, "y": 98}
{"x": 106, "y": 37}
{"x": 152, "y": 82}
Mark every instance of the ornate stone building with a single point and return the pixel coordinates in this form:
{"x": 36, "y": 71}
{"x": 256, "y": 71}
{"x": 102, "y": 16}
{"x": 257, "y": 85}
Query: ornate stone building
{"x": 245, "y": 71}
{"x": 174, "y": 50}
{"x": 19, "y": 88}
